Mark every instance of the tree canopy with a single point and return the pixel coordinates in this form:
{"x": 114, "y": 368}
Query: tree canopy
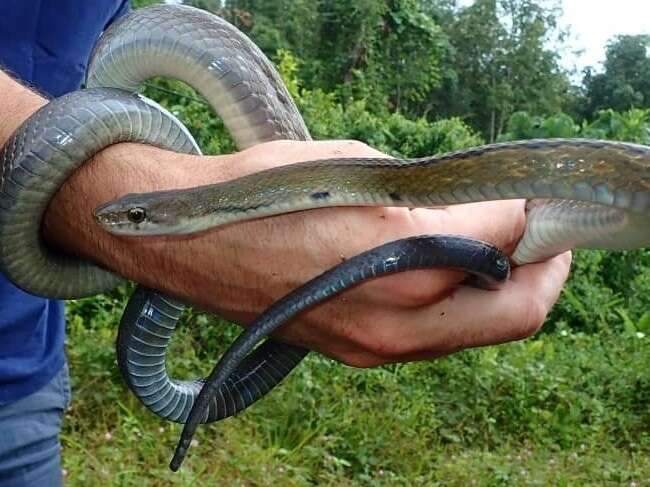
{"x": 433, "y": 60}
{"x": 625, "y": 82}
{"x": 422, "y": 58}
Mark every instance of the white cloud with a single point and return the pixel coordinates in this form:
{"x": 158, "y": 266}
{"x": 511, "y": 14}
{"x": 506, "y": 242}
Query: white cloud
{"x": 592, "y": 23}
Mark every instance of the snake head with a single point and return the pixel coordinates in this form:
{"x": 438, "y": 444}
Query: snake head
{"x": 143, "y": 214}
{"x": 125, "y": 216}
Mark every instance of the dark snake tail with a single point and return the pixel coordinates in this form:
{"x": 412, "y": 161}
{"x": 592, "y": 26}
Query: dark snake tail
{"x": 483, "y": 261}
{"x": 146, "y": 329}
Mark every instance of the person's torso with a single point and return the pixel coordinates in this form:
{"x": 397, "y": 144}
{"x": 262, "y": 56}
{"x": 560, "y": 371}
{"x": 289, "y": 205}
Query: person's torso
{"x": 46, "y": 44}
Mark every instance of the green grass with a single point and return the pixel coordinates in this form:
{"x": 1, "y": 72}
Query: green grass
{"x": 566, "y": 408}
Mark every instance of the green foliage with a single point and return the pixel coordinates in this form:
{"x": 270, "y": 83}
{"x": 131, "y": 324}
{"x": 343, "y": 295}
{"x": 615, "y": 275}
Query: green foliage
{"x": 569, "y": 408}
{"x": 423, "y": 58}
{"x": 385, "y": 52}
{"x": 625, "y": 83}
{"x": 144, "y": 3}
{"x": 630, "y": 126}
{"x": 523, "y": 126}
{"x": 394, "y": 133}
{"x": 500, "y": 63}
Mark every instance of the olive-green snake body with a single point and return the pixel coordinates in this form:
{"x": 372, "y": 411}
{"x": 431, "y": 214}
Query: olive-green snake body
{"x": 596, "y": 194}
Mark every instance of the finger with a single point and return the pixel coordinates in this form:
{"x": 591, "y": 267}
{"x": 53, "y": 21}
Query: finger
{"x": 336, "y": 234}
{"x": 469, "y": 317}
{"x": 499, "y": 223}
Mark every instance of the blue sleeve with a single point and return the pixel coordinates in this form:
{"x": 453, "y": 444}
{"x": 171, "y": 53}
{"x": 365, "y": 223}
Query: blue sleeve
{"x": 121, "y": 10}
{"x": 45, "y": 43}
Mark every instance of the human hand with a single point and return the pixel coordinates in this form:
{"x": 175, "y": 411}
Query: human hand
{"x": 239, "y": 270}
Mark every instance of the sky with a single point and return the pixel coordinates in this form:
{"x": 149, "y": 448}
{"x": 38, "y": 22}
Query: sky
{"x": 594, "y": 22}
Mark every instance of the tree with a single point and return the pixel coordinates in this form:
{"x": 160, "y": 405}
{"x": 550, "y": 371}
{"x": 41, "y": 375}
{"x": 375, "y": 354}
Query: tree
{"x": 420, "y": 58}
{"x": 625, "y": 83}
{"x": 386, "y": 52}
{"x": 502, "y": 63}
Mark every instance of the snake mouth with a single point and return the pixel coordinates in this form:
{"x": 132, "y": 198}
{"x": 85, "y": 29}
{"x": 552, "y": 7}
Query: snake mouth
{"x": 119, "y": 219}
{"x": 115, "y": 220}
{"x": 106, "y": 215}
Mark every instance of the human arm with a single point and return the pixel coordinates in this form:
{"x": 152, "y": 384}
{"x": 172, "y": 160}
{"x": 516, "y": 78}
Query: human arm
{"x": 240, "y": 269}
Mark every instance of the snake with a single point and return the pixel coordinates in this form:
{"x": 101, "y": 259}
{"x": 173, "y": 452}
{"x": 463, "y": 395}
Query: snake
{"x": 580, "y": 194}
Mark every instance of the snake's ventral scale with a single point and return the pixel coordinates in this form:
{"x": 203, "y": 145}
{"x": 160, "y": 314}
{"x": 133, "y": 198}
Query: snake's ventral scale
{"x": 582, "y": 193}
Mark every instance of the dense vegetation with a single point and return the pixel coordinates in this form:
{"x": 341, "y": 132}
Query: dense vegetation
{"x": 411, "y": 77}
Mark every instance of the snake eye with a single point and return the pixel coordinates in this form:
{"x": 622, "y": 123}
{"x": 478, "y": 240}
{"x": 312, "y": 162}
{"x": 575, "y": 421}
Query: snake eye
{"x": 136, "y": 215}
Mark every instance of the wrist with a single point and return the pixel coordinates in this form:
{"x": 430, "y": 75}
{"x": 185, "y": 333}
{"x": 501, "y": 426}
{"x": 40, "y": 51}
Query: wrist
{"x": 19, "y": 102}
{"x": 117, "y": 170}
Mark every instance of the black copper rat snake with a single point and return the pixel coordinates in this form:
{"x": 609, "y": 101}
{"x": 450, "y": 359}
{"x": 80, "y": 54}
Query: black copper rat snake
{"x": 581, "y": 193}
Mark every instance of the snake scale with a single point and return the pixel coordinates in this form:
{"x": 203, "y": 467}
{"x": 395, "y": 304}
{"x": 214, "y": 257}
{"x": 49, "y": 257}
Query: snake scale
{"x": 582, "y": 193}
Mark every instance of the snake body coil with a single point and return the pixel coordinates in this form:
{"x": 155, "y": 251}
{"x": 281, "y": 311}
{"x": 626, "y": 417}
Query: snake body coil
{"x": 582, "y": 193}
{"x": 246, "y": 91}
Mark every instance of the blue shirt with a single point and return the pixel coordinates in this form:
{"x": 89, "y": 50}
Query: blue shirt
{"x": 45, "y": 43}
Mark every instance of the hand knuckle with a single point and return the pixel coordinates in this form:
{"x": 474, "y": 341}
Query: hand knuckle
{"x": 533, "y": 317}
